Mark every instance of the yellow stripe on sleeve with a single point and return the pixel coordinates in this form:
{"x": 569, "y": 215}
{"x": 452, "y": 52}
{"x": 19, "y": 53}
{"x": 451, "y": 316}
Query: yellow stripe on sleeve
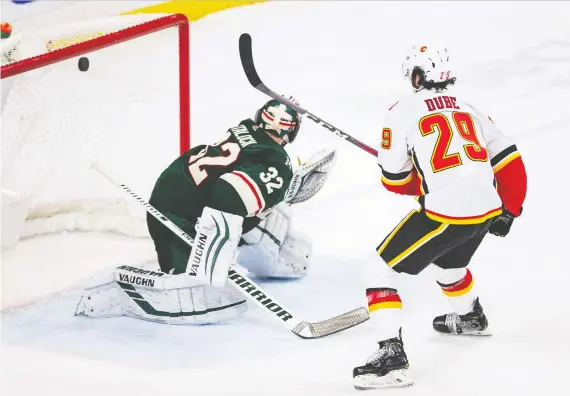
{"x": 397, "y": 182}
{"x": 506, "y": 161}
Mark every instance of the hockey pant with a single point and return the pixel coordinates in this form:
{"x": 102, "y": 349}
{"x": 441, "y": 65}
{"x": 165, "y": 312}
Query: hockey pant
{"x": 418, "y": 241}
{"x": 415, "y": 243}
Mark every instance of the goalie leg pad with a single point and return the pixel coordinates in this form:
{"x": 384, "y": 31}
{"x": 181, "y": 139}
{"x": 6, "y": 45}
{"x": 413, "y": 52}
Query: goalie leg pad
{"x": 157, "y": 297}
{"x": 214, "y": 248}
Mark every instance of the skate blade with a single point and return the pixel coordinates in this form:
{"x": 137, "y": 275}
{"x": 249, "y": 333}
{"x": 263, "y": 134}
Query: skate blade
{"x": 484, "y": 333}
{"x": 394, "y": 379}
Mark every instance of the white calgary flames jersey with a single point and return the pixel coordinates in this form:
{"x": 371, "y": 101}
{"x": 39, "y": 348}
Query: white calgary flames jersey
{"x": 449, "y": 145}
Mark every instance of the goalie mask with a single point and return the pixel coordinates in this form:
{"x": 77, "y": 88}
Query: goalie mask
{"x": 279, "y": 120}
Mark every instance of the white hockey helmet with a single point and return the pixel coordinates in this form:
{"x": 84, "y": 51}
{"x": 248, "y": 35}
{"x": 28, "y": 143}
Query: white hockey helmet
{"x": 431, "y": 63}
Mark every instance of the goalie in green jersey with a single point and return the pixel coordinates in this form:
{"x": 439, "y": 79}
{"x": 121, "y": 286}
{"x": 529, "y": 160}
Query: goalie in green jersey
{"x": 233, "y": 198}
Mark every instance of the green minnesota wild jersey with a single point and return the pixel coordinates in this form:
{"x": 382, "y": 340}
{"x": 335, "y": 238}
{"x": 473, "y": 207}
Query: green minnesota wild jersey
{"x": 245, "y": 173}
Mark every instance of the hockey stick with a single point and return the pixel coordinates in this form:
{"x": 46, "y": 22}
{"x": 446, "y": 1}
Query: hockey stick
{"x": 246, "y": 55}
{"x": 250, "y": 289}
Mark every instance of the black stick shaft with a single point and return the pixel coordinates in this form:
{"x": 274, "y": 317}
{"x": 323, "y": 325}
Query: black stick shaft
{"x": 246, "y": 55}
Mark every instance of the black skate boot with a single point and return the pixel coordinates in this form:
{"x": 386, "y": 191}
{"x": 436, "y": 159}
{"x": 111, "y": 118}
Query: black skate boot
{"x": 386, "y": 368}
{"x": 473, "y": 323}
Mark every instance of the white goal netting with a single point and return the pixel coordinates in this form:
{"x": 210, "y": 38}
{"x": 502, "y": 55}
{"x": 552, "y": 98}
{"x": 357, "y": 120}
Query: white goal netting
{"x": 124, "y": 111}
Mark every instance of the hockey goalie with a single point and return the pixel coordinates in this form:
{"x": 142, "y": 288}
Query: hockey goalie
{"x": 233, "y": 198}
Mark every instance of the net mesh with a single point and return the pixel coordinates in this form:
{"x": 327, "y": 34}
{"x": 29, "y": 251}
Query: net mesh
{"x": 57, "y": 120}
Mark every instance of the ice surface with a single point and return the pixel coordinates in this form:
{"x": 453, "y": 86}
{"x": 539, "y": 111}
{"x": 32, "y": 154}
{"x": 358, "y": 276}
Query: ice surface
{"x": 342, "y": 60}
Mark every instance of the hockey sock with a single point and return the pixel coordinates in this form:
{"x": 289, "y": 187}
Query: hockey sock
{"x": 457, "y": 284}
{"x": 385, "y": 307}
{"x": 384, "y": 304}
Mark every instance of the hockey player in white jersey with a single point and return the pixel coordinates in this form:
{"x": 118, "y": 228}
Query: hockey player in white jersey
{"x": 469, "y": 180}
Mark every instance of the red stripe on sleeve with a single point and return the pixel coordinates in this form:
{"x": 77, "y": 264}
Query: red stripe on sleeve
{"x": 410, "y": 188}
{"x": 253, "y": 189}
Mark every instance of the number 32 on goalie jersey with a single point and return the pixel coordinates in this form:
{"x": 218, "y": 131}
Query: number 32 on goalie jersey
{"x": 439, "y": 123}
{"x": 256, "y": 174}
{"x": 271, "y": 179}
{"x": 198, "y": 166}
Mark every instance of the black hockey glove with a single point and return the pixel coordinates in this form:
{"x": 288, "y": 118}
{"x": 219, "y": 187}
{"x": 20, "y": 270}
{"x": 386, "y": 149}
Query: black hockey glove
{"x": 502, "y": 223}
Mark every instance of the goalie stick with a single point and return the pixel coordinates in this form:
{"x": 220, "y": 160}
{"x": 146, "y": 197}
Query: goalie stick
{"x": 301, "y": 328}
{"x": 246, "y": 56}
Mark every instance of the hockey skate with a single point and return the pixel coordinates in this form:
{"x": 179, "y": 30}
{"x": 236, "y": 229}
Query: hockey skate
{"x": 386, "y": 368}
{"x": 473, "y": 323}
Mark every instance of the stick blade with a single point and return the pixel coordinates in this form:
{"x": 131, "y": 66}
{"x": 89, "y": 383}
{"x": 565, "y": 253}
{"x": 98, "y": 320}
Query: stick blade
{"x": 246, "y": 56}
{"x": 331, "y": 326}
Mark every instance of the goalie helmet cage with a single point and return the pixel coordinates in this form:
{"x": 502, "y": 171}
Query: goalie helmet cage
{"x": 130, "y": 110}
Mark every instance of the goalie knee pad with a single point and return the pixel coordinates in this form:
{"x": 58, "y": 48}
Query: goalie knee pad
{"x": 274, "y": 249}
{"x": 155, "y": 296}
{"x": 295, "y": 256}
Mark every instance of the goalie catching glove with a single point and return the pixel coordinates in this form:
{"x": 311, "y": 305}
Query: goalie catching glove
{"x": 310, "y": 177}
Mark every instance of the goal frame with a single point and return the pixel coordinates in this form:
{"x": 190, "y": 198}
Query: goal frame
{"x": 130, "y": 33}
